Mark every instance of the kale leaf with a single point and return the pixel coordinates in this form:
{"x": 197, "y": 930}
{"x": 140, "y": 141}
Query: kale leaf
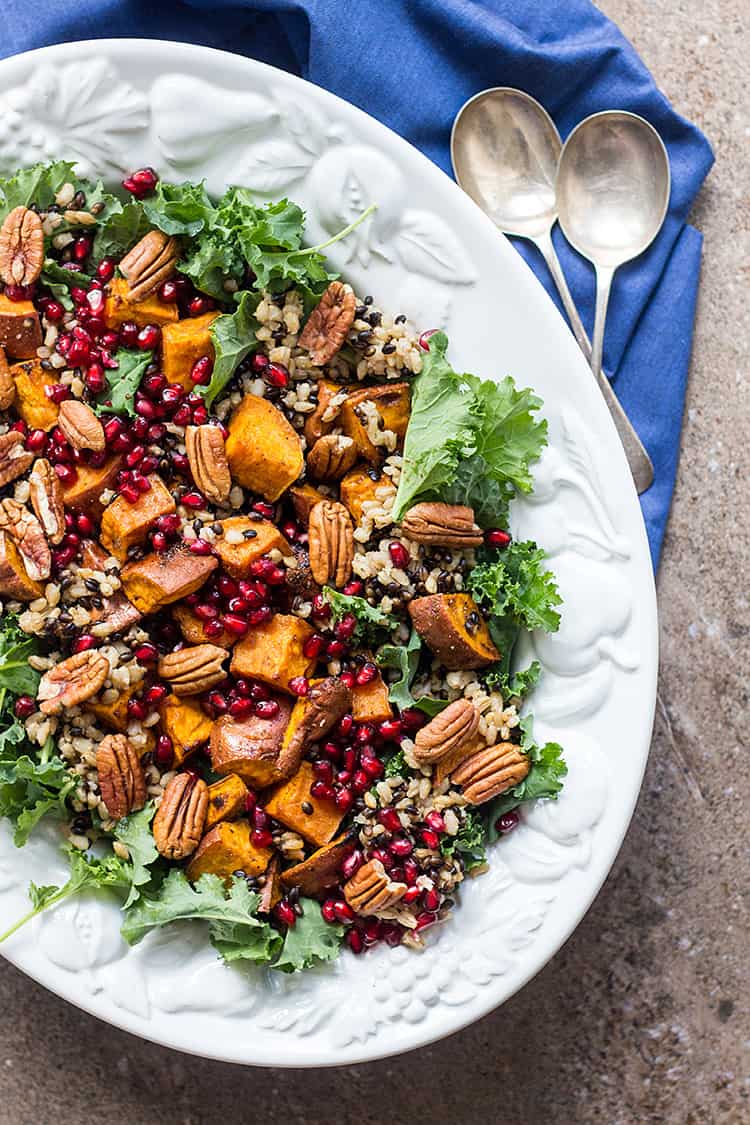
{"x": 134, "y": 831}
{"x": 544, "y": 779}
{"x": 233, "y": 338}
{"x": 405, "y": 659}
{"x": 469, "y": 841}
{"x": 123, "y": 382}
{"x": 309, "y": 941}
{"x": 371, "y": 621}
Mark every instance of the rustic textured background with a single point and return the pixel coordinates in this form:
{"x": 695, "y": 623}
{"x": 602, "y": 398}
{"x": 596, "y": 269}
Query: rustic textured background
{"x": 643, "y": 1016}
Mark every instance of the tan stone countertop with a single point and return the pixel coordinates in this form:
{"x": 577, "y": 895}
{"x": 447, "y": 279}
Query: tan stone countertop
{"x": 643, "y": 1016}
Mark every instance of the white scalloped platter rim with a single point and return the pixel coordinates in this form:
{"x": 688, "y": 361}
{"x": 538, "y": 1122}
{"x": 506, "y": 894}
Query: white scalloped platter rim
{"x": 118, "y": 104}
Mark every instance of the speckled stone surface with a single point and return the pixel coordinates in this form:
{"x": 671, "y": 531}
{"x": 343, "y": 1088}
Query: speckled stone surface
{"x": 643, "y": 1016}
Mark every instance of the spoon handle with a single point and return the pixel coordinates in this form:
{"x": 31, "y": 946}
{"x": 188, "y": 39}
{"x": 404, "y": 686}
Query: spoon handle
{"x": 638, "y": 459}
{"x": 545, "y": 246}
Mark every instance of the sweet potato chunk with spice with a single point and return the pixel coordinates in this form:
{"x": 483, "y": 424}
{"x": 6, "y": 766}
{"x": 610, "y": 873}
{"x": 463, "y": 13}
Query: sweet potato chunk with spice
{"x": 14, "y": 580}
{"x": 37, "y": 411}
{"x": 186, "y": 723}
{"x": 83, "y": 494}
{"x": 159, "y": 580}
{"x": 184, "y": 342}
{"x": 273, "y": 652}
{"x": 226, "y": 800}
{"x": 119, "y": 308}
{"x": 304, "y": 498}
{"x": 290, "y": 802}
{"x": 392, "y": 402}
{"x": 114, "y": 713}
{"x": 370, "y": 702}
{"x": 192, "y": 629}
{"x": 454, "y": 629}
{"x": 116, "y": 610}
{"x": 322, "y": 869}
{"x": 126, "y": 525}
{"x": 227, "y": 848}
{"x": 20, "y": 329}
{"x": 250, "y": 747}
{"x": 244, "y": 540}
{"x": 263, "y": 451}
{"x": 362, "y": 485}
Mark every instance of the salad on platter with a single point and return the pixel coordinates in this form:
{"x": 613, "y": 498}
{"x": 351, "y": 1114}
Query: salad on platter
{"x": 260, "y": 603}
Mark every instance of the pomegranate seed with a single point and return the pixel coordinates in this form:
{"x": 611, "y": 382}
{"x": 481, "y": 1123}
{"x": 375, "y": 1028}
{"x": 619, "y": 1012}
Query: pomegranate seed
{"x": 17, "y": 292}
{"x": 347, "y": 678}
{"x": 371, "y": 932}
{"x": 135, "y": 456}
{"x": 299, "y": 685}
{"x": 411, "y": 895}
{"x": 105, "y": 271}
{"x": 260, "y": 693}
{"x": 323, "y": 770}
{"x": 62, "y": 558}
{"x": 261, "y": 818}
{"x": 251, "y": 800}
{"x": 399, "y": 554}
{"x": 146, "y": 653}
{"x": 95, "y": 379}
{"x": 507, "y": 822}
{"x": 168, "y": 524}
{"x": 346, "y": 627}
{"x": 349, "y": 759}
{"x": 328, "y": 910}
{"x": 156, "y": 693}
{"x": 373, "y": 767}
{"x": 361, "y": 782}
{"x": 353, "y": 588}
{"x": 332, "y": 751}
{"x": 206, "y": 611}
{"x": 313, "y": 646}
{"x": 276, "y": 374}
{"x": 382, "y": 856}
{"x": 365, "y": 732}
{"x": 392, "y": 934}
{"x": 430, "y": 839}
{"x": 180, "y": 463}
{"x": 335, "y": 649}
{"x": 66, "y": 474}
{"x": 262, "y": 838}
{"x": 149, "y": 337}
{"x": 322, "y": 791}
{"x": 213, "y": 629}
{"x": 355, "y": 941}
{"x": 366, "y": 674}
{"x": 343, "y": 910}
{"x": 193, "y": 500}
{"x": 200, "y": 547}
{"x": 122, "y": 442}
{"x": 266, "y": 709}
{"x": 227, "y": 586}
{"x": 199, "y": 305}
{"x": 141, "y": 183}
{"x": 390, "y": 730}
{"x": 401, "y": 847}
{"x": 320, "y": 608}
{"x": 159, "y": 542}
{"x": 411, "y": 871}
{"x": 413, "y": 719}
{"x": 137, "y": 709}
{"x": 130, "y": 492}
{"x": 217, "y": 701}
{"x": 241, "y": 708}
{"x": 199, "y": 416}
{"x": 283, "y": 912}
{"x": 434, "y": 820}
{"x": 425, "y": 919}
{"x": 143, "y": 407}
{"x": 422, "y": 341}
{"x": 95, "y": 301}
{"x": 201, "y": 371}
{"x": 109, "y": 339}
{"x": 57, "y": 392}
{"x": 112, "y": 428}
{"x": 24, "y": 706}
{"x": 351, "y": 864}
{"x": 389, "y": 818}
{"x": 81, "y": 249}
{"x": 259, "y": 362}
{"x": 36, "y": 441}
{"x": 85, "y": 525}
{"x": 432, "y": 901}
{"x": 164, "y": 752}
{"x": 172, "y": 394}
{"x": 345, "y": 725}
{"x": 344, "y": 800}
{"x": 495, "y": 537}
{"x": 139, "y": 428}
{"x": 54, "y": 312}
{"x": 234, "y": 624}
{"x": 168, "y": 292}
{"x": 79, "y": 295}
{"x": 182, "y": 415}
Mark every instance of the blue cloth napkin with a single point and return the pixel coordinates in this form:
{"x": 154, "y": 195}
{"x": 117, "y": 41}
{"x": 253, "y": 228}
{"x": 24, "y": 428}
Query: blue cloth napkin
{"x": 412, "y": 63}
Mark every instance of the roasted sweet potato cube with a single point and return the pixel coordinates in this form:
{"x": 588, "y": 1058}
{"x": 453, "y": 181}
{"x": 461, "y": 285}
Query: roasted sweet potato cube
{"x": 114, "y": 714}
{"x": 370, "y": 702}
{"x": 289, "y": 801}
{"x": 226, "y": 800}
{"x": 263, "y": 451}
{"x": 14, "y": 580}
{"x": 454, "y": 629}
{"x": 272, "y": 886}
{"x": 362, "y": 484}
{"x": 321, "y": 869}
{"x": 83, "y": 494}
{"x": 37, "y": 411}
{"x": 159, "y": 580}
{"x": 118, "y": 308}
{"x": 20, "y": 329}
{"x": 227, "y": 848}
{"x": 182, "y": 343}
{"x": 244, "y": 540}
{"x": 250, "y": 747}
{"x": 273, "y": 652}
{"x": 126, "y": 525}
{"x": 186, "y": 723}
{"x": 392, "y": 402}
{"x": 304, "y": 498}
{"x": 192, "y": 629}
{"x": 116, "y": 610}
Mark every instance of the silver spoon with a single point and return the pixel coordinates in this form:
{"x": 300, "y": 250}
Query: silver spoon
{"x": 505, "y": 149}
{"x": 613, "y": 185}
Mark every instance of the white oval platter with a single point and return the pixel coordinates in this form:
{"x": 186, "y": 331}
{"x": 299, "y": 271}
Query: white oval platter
{"x": 115, "y": 105}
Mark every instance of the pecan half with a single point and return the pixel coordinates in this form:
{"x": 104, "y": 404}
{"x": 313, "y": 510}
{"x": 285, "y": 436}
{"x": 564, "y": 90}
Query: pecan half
{"x": 21, "y": 247}
{"x": 80, "y": 425}
{"x": 329, "y": 323}
{"x": 208, "y": 462}
{"x": 72, "y": 681}
{"x": 193, "y": 670}
{"x": 46, "y": 497}
{"x": 149, "y": 263}
{"x": 490, "y": 772}
{"x": 371, "y": 891}
{"x": 331, "y": 543}
{"x": 331, "y": 457}
{"x": 14, "y": 459}
{"x": 179, "y": 820}
{"x": 446, "y": 731}
{"x": 326, "y": 702}
{"x": 7, "y": 383}
{"x": 121, "y": 779}
{"x": 26, "y": 532}
{"x": 446, "y": 525}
